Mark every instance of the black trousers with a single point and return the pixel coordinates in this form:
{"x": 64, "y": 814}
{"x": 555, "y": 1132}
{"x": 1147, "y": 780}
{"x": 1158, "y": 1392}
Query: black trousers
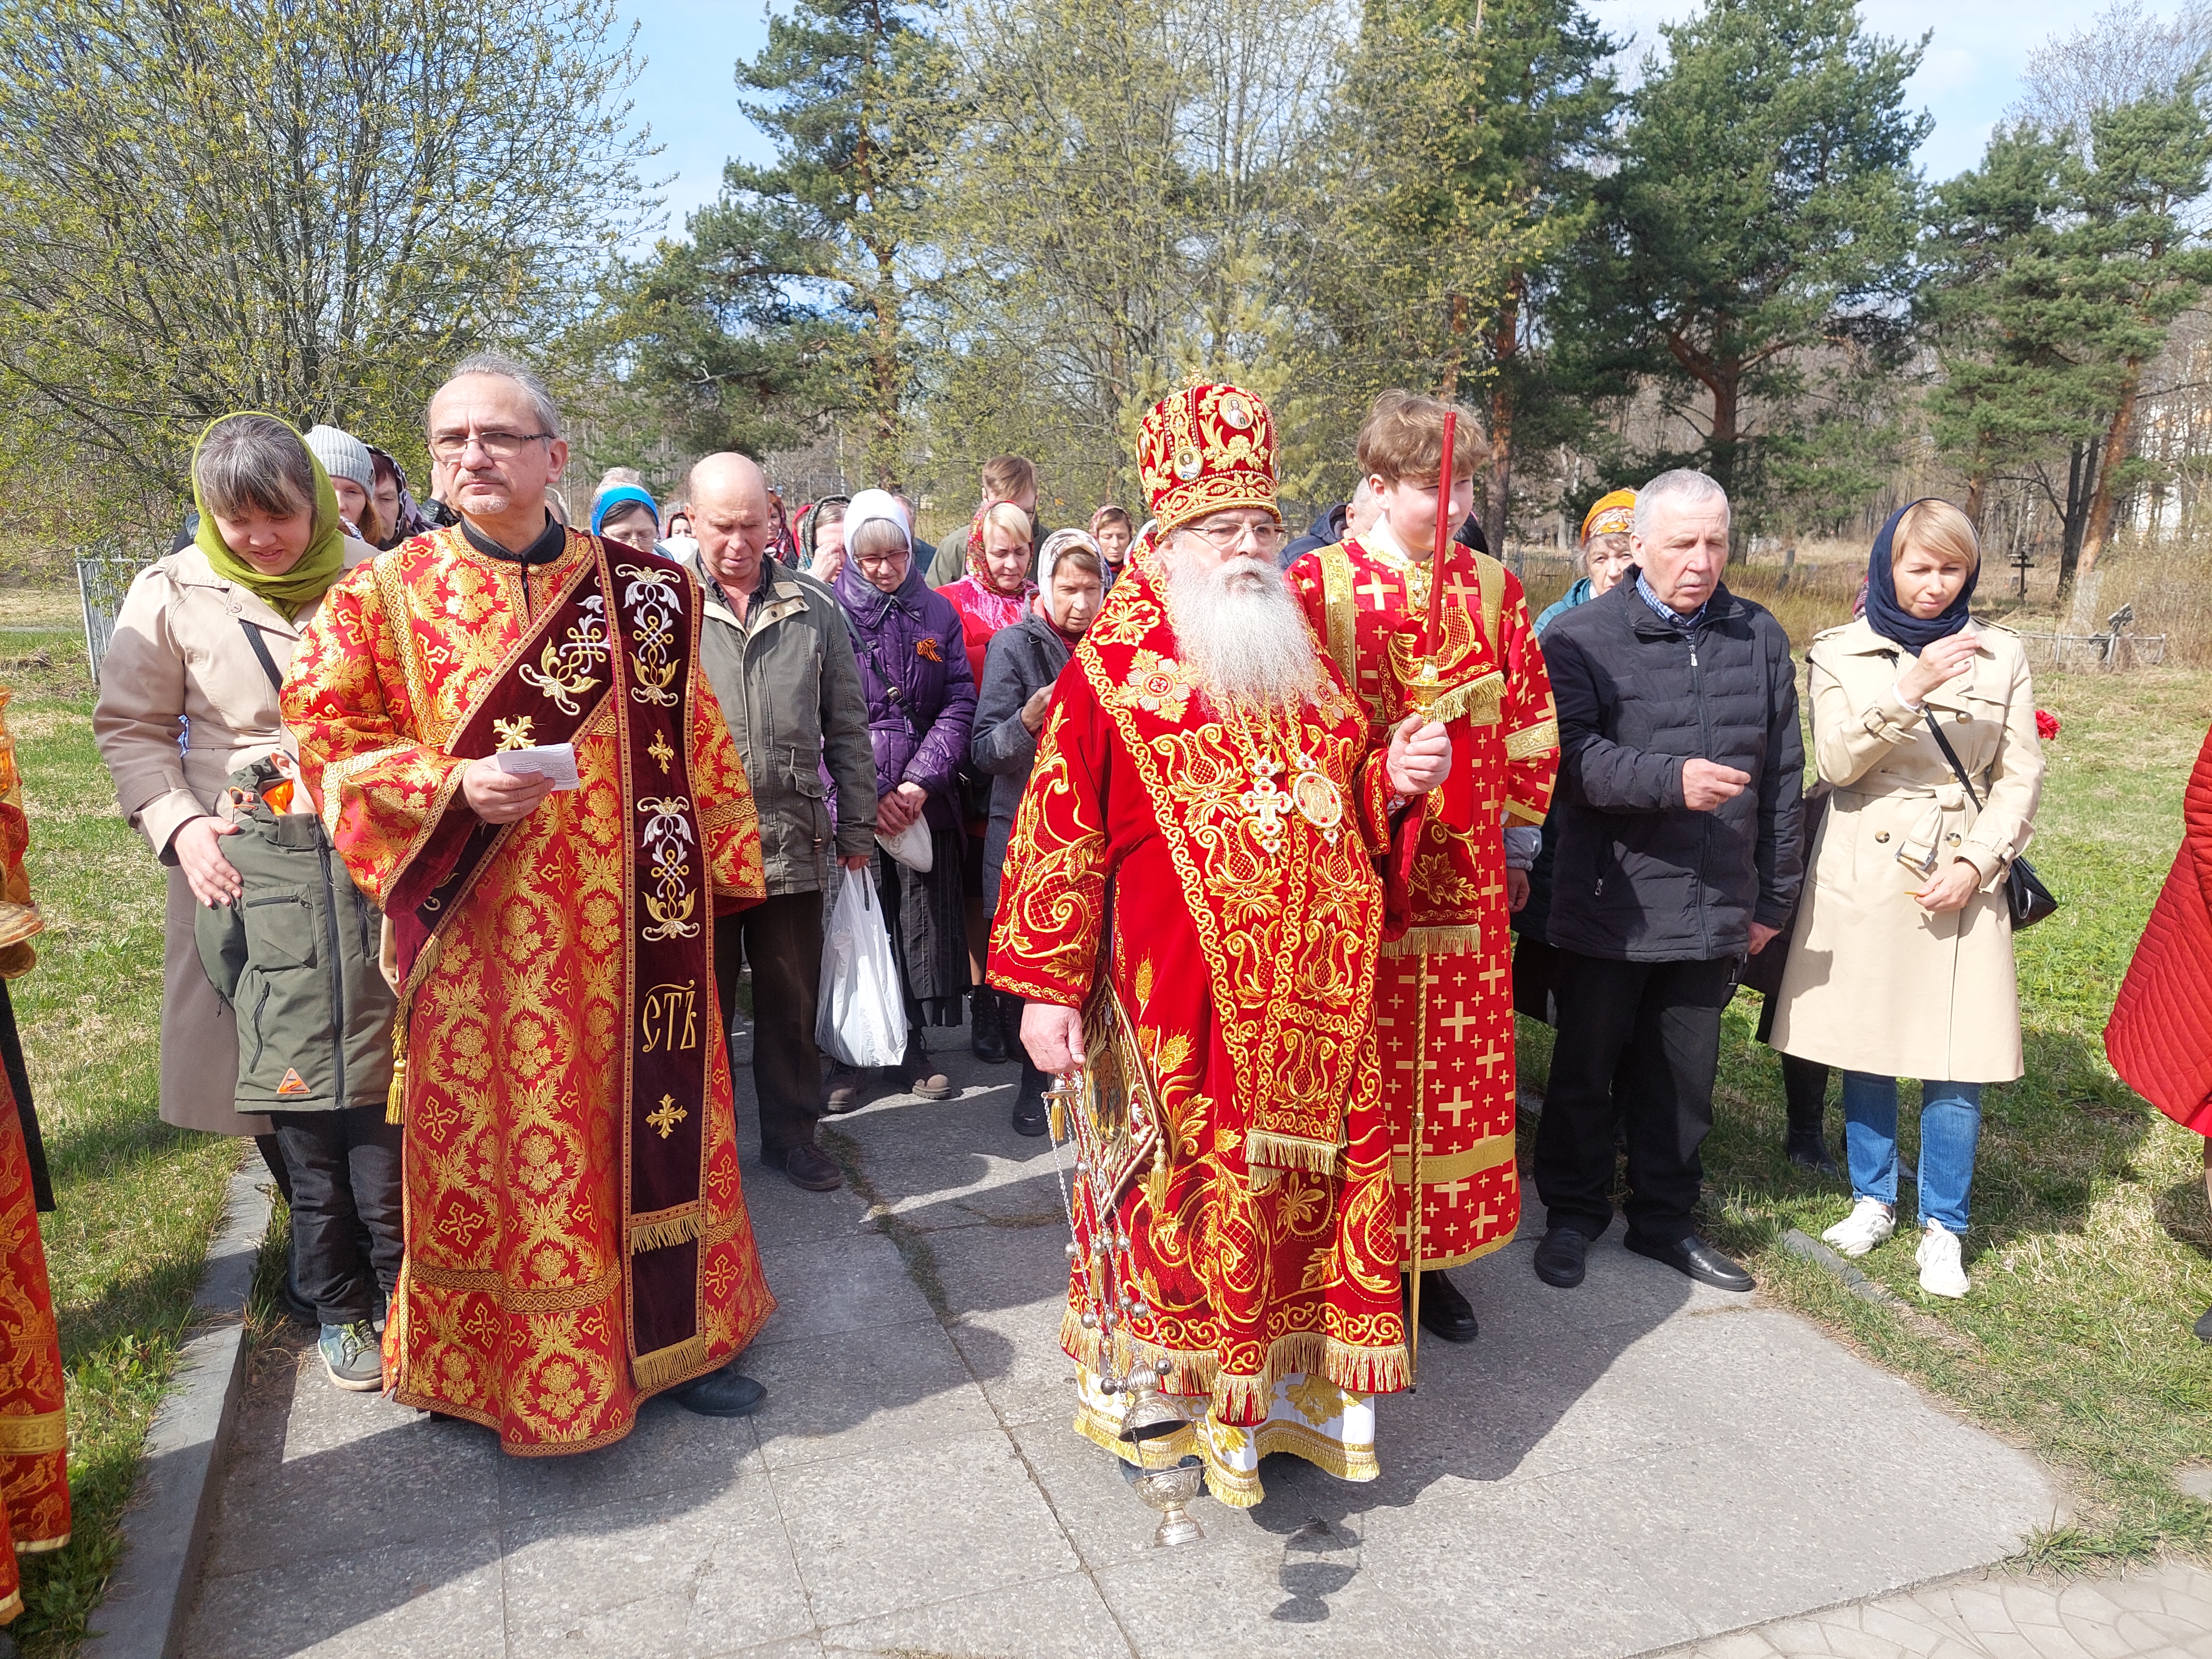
{"x": 346, "y": 1180}
{"x": 782, "y": 937}
{"x": 1648, "y": 1033}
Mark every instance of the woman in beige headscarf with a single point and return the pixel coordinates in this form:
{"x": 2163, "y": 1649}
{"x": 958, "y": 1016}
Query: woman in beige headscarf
{"x": 188, "y": 695}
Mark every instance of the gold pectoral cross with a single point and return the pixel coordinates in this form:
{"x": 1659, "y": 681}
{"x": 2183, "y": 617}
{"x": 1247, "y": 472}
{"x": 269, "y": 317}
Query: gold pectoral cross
{"x": 1266, "y": 803}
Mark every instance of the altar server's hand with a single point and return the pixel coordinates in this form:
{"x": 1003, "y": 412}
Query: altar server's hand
{"x": 210, "y": 876}
{"x": 1420, "y": 756}
{"x": 498, "y": 797}
{"x": 1054, "y": 1037}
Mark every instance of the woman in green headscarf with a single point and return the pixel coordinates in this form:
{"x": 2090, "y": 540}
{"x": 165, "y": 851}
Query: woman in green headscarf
{"x": 188, "y": 695}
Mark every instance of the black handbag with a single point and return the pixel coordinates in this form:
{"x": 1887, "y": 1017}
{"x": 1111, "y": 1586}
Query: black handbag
{"x": 2029, "y": 899}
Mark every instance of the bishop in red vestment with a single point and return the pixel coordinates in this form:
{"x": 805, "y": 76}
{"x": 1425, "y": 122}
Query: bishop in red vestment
{"x": 1202, "y": 771}
{"x": 576, "y": 1230}
{"x": 1445, "y": 985}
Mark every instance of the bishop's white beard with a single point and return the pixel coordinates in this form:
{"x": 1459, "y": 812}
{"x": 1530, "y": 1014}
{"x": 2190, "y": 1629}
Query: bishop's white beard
{"x": 1240, "y": 630}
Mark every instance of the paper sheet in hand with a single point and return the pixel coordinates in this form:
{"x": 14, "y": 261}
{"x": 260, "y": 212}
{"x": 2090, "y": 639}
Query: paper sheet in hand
{"x": 557, "y": 760}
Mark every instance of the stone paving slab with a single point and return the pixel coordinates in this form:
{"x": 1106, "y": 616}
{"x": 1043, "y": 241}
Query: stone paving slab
{"x": 2165, "y": 1611}
{"x": 1639, "y": 1464}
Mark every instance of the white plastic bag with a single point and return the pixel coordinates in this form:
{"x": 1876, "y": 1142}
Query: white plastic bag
{"x": 861, "y": 1019}
{"x": 911, "y": 847}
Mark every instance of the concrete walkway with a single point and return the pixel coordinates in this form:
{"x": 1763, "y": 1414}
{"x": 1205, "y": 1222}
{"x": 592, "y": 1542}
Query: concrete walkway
{"x": 1640, "y": 1464}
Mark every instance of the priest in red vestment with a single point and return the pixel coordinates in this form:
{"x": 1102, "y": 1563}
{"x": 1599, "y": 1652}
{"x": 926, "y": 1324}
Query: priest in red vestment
{"x": 576, "y": 1230}
{"x": 34, "y": 1495}
{"x": 1202, "y": 773}
{"x": 2159, "y": 1037}
{"x": 1445, "y": 987}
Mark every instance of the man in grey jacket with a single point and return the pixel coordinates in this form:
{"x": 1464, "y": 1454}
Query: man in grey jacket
{"x": 1680, "y": 771}
{"x": 775, "y": 649}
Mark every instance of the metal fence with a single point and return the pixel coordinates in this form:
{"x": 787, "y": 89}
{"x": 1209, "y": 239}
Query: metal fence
{"x": 101, "y": 582}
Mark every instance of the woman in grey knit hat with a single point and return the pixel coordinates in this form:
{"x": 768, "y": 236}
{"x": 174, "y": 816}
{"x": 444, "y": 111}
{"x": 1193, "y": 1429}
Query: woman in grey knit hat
{"x": 353, "y": 475}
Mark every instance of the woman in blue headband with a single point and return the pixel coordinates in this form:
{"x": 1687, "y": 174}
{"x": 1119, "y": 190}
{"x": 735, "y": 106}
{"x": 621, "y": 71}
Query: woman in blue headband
{"x": 624, "y": 513}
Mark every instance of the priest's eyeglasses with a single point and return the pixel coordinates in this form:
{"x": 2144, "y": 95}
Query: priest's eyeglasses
{"x": 500, "y": 446}
{"x": 1267, "y": 538}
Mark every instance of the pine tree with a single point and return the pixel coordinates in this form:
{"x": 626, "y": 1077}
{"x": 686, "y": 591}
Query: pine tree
{"x": 853, "y": 92}
{"x": 2141, "y": 267}
{"x": 2003, "y": 305}
{"x": 1763, "y": 212}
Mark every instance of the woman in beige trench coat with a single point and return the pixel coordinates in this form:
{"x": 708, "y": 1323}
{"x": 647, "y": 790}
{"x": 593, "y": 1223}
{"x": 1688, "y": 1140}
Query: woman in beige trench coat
{"x": 188, "y": 695}
{"x": 1901, "y": 963}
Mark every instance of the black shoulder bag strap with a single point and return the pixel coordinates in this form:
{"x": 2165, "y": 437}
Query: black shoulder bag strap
{"x": 261, "y": 650}
{"x": 2029, "y": 899}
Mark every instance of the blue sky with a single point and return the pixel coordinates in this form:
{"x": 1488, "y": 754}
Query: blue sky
{"x": 687, "y": 93}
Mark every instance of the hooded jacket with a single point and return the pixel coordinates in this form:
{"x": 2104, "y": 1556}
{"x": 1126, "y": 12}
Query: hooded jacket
{"x": 296, "y": 958}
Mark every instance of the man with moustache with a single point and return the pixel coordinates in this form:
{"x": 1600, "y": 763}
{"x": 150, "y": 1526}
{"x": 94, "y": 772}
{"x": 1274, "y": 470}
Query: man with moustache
{"x": 577, "y": 1238}
{"x": 1203, "y": 765}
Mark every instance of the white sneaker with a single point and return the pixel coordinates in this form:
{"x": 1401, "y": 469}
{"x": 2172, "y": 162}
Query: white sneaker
{"x": 1869, "y": 1222}
{"x": 1941, "y": 1272}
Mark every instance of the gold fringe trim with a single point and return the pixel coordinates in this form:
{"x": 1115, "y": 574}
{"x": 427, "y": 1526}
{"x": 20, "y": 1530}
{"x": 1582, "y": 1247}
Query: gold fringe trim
{"x": 1265, "y": 1149}
{"x": 34, "y": 1436}
{"x": 658, "y": 1232}
{"x": 1477, "y": 700}
{"x": 1538, "y": 739}
{"x": 1238, "y": 1489}
{"x": 1366, "y": 1370}
{"x": 1487, "y": 1153}
{"x": 1191, "y": 1372}
{"x": 1338, "y": 1457}
{"x": 395, "y": 1103}
{"x": 665, "y": 1367}
{"x": 1455, "y": 939}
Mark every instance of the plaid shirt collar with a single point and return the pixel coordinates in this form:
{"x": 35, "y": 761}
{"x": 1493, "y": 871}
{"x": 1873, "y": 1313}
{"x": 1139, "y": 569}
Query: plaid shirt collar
{"x": 1664, "y": 611}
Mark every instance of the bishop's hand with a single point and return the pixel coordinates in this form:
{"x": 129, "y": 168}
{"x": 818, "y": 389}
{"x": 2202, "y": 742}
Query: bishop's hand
{"x": 1054, "y": 1037}
{"x": 1419, "y": 758}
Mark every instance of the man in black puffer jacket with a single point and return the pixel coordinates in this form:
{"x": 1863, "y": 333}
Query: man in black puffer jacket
{"x": 1680, "y": 776}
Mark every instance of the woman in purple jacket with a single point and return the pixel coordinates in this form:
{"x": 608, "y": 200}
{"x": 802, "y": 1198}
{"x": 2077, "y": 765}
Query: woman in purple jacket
{"x": 921, "y": 702}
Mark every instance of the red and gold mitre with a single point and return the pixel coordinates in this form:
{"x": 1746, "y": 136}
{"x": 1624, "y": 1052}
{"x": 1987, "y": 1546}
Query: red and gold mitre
{"x": 1204, "y": 450}
{"x": 1610, "y": 515}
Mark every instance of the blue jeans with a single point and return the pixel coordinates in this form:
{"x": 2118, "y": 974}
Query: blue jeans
{"x": 1950, "y": 1124}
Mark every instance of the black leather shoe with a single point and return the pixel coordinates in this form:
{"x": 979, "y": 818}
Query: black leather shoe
{"x": 1811, "y": 1152}
{"x": 2204, "y": 1326}
{"x": 808, "y": 1166}
{"x": 1029, "y": 1117}
{"x": 726, "y": 1393}
{"x": 1560, "y": 1256}
{"x": 1695, "y": 1259}
{"x": 987, "y": 1034}
{"x": 846, "y": 1088}
{"x": 1444, "y": 1312}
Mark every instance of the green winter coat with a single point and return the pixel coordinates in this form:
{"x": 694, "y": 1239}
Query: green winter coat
{"x": 296, "y": 958}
